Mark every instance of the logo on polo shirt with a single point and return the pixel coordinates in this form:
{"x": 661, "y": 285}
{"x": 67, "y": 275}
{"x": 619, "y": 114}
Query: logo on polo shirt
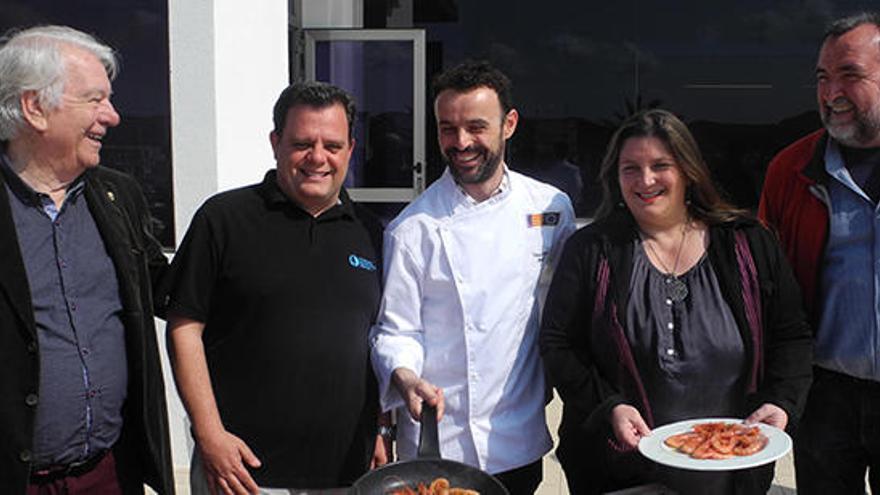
{"x": 363, "y": 263}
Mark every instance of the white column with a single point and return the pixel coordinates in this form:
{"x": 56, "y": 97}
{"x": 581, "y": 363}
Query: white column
{"x": 193, "y": 116}
{"x": 251, "y": 69}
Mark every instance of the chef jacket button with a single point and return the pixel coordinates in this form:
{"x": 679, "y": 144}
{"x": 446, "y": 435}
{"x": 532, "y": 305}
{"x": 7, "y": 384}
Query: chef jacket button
{"x": 670, "y": 325}
{"x": 31, "y": 400}
{"x": 669, "y": 302}
{"x": 670, "y": 352}
{"x": 24, "y": 455}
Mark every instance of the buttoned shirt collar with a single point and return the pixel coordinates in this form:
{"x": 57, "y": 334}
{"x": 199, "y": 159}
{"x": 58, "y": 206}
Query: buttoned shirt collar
{"x": 836, "y": 168}
{"x": 27, "y": 195}
{"x": 498, "y": 192}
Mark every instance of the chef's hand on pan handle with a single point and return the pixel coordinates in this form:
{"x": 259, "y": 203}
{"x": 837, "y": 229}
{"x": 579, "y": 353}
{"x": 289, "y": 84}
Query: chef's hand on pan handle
{"x": 383, "y": 452}
{"x": 770, "y": 414}
{"x": 223, "y": 458}
{"x": 628, "y": 426}
{"x": 416, "y": 390}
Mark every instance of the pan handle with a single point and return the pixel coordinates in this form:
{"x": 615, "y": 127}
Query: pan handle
{"x": 429, "y": 438}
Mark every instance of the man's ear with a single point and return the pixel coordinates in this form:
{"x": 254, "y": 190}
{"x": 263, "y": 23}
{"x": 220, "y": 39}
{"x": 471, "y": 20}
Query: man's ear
{"x": 33, "y": 111}
{"x": 509, "y": 124}
{"x": 274, "y": 138}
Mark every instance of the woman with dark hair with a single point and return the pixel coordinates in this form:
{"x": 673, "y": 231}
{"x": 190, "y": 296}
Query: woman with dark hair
{"x": 672, "y": 305}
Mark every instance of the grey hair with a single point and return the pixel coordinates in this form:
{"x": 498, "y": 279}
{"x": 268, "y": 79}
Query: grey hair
{"x": 841, "y": 26}
{"x": 31, "y": 60}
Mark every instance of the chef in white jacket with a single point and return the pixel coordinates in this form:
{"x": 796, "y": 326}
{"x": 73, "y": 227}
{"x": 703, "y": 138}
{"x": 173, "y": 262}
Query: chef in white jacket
{"x": 466, "y": 268}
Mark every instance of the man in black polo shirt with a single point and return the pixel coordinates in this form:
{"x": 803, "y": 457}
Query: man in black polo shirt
{"x": 273, "y": 292}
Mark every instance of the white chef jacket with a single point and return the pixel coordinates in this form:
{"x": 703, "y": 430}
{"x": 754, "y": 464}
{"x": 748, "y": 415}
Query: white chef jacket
{"x": 464, "y": 283}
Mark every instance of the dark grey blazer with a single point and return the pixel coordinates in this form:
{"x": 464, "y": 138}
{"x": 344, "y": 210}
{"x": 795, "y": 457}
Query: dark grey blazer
{"x": 120, "y": 211}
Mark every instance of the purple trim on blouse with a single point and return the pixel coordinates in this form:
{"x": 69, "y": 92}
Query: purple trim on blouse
{"x": 619, "y": 337}
{"x": 748, "y": 274}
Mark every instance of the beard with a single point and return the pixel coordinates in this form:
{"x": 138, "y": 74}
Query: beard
{"x": 864, "y": 127}
{"x": 489, "y": 163}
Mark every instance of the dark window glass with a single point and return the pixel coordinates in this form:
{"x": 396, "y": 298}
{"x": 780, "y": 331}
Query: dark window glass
{"x": 138, "y": 31}
{"x": 385, "y": 212}
{"x": 740, "y": 74}
{"x": 378, "y": 74}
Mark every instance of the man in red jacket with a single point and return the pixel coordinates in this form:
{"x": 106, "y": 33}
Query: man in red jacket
{"x": 821, "y": 194}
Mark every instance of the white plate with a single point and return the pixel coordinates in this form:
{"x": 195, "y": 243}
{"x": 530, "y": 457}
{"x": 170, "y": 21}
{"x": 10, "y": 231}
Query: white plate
{"x": 652, "y": 447}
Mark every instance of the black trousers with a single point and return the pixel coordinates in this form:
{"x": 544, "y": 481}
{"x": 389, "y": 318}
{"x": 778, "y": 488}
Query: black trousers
{"x": 522, "y": 480}
{"x": 838, "y": 438}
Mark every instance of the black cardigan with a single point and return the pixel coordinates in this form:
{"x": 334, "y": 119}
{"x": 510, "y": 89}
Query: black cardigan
{"x": 585, "y": 366}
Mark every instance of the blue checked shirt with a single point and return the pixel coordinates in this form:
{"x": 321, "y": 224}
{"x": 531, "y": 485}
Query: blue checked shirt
{"x": 847, "y": 338}
{"x": 77, "y": 310}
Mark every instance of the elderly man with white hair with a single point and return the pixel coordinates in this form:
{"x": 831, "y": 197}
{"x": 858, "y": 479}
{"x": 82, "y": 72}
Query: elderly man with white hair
{"x": 82, "y": 403}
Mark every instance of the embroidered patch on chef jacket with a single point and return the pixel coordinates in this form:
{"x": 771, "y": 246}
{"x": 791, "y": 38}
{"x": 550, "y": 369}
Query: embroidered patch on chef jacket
{"x": 548, "y": 218}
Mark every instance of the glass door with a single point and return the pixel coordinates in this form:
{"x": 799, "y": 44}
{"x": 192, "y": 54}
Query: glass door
{"x": 385, "y": 71}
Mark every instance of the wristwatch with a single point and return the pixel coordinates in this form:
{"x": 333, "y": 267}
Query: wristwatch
{"x": 388, "y": 432}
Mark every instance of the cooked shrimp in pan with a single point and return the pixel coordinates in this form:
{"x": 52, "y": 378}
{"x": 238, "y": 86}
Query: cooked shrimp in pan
{"x": 440, "y": 486}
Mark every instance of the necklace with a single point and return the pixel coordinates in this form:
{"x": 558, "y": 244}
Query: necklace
{"x": 676, "y": 289}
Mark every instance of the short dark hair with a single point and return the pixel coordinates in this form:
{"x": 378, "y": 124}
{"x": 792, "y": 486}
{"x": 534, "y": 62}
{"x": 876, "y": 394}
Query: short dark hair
{"x": 315, "y": 94}
{"x": 473, "y": 74}
{"x": 839, "y": 27}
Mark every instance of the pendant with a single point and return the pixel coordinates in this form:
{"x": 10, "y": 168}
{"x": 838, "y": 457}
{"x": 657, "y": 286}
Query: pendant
{"x": 676, "y": 289}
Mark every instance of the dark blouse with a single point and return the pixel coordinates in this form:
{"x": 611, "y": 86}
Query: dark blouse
{"x": 690, "y": 354}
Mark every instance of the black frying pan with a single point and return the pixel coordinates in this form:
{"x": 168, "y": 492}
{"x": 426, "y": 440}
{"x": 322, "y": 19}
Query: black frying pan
{"x": 427, "y": 466}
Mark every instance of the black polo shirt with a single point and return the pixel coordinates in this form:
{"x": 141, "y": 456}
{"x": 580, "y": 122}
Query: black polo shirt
{"x": 287, "y": 301}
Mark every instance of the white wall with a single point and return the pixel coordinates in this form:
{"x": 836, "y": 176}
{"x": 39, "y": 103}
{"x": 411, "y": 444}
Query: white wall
{"x": 251, "y": 69}
{"x": 229, "y": 62}
{"x": 193, "y": 116}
